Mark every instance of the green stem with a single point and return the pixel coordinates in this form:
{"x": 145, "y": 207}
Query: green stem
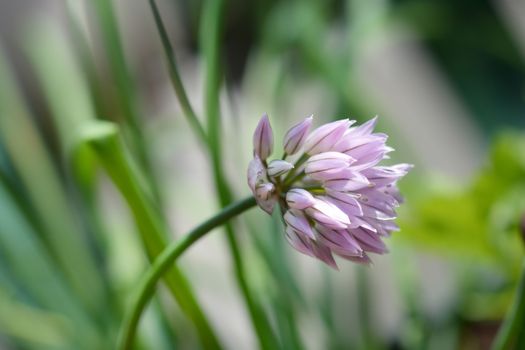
{"x": 126, "y": 89}
{"x": 104, "y": 140}
{"x": 363, "y": 309}
{"x": 210, "y": 40}
{"x": 514, "y": 322}
{"x": 166, "y": 259}
{"x": 176, "y": 81}
{"x": 294, "y": 179}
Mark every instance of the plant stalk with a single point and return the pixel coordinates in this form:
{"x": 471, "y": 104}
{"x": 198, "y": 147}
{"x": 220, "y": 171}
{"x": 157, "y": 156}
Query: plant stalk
{"x": 166, "y": 259}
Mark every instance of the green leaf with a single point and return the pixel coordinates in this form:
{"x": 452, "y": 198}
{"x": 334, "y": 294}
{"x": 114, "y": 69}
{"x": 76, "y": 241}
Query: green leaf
{"x": 126, "y": 89}
{"x": 48, "y": 330}
{"x": 477, "y": 220}
{"x": 37, "y": 274}
{"x": 103, "y": 139}
{"x": 45, "y": 191}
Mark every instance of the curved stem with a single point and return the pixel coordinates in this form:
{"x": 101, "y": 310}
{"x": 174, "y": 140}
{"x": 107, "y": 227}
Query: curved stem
{"x": 514, "y": 322}
{"x": 165, "y": 260}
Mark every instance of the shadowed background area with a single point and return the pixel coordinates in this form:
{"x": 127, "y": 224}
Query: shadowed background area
{"x": 446, "y": 78}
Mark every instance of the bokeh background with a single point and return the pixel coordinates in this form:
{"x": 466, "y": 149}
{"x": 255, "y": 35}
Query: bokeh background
{"x": 447, "y": 79}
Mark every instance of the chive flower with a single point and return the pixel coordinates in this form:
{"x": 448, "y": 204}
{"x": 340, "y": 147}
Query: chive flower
{"x": 335, "y": 197}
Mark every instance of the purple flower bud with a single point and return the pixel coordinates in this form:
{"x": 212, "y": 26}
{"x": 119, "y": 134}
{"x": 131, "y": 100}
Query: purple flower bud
{"x": 347, "y": 202}
{"x": 324, "y": 254}
{"x": 349, "y": 181}
{"x": 295, "y": 137}
{"x": 297, "y": 198}
{"x": 328, "y": 214}
{"x": 278, "y": 167}
{"x": 369, "y": 241}
{"x": 339, "y": 241}
{"x": 326, "y": 164}
{"x": 363, "y": 260}
{"x": 365, "y": 128}
{"x": 299, "y": 242}
{"x": 349, "y": 141}
{"x": 296, "y": 220}
{"x": 263, "y": 138}
{"x": 381, "y": 176}
{"x": 326, "y": 136}
{"x": 366, "y": 158}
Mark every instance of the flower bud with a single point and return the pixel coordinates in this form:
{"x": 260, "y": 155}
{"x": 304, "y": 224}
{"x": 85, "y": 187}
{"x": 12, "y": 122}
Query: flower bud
{"x": 341, "y": 242}
{"x": 369, "y": 241}
{"x": 297, "y": 198}
{"x": 324, "y": 254}
{"x": 263, "y": 138}
{"x": 327, "y": 164}
{"x": 278, "y": 168}
{"x": 365, "y": 128}
{"x": 299, "y": 242}
{"x": 347, "y": 202}
{"x": 295, "y": 137}
{"x": 296, "y": 220}
{"x": 328, "y": 214}
{"x": 326, "y": 136}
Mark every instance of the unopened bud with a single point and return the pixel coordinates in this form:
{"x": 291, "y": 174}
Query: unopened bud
{"x": 263, "y": 138}
{"x": 278, "y": 168}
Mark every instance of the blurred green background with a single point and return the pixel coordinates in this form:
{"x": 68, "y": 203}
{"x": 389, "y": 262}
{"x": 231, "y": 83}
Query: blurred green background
{"x": 81, "y": 212}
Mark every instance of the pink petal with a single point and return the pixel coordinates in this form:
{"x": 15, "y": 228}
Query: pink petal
{"x": 296, "y": 220}
{"x": 299, "y": 242}
{"x": 328, "y": 214}
{"x": 326, "y": 136}
{"x": 263, "y": 138}
{"x": 296, "y": 136}
{"x": 298, "y": 198}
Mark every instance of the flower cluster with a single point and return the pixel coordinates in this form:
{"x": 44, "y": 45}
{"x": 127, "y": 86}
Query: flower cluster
{"x": 334, "y": 196}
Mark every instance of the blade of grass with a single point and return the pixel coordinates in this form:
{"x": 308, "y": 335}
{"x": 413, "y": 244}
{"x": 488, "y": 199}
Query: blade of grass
{"x": 75, "y": 11}
{"x": 126, "y": 88}
{"x": 176, "y": 81}
{"x": 62, "y": 82}
{"x": 104, "y": 140}
{"x": 46, "y": 193}
{"x": 68, "y": 96}
{"x": 510, "y": 334}
{"x": 37, "y": 274}
{"x": 49, "y": 331}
